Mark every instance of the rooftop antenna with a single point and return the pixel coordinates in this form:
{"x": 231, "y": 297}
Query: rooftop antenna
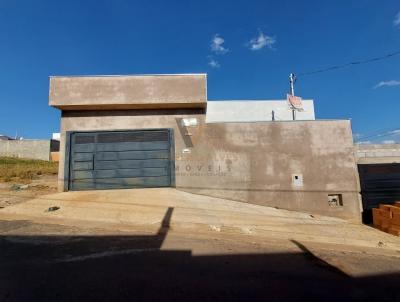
{"x": 292, "y": 80}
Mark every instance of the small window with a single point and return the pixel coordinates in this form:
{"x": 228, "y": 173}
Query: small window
{"x": 335, "y": 200}
{"x": 297, "y": 180}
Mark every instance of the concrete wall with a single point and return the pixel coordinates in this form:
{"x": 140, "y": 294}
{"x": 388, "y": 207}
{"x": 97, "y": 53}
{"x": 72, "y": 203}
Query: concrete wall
{"x": 33, "y": 149}
{"x": 255, "y": 162}
{"x": 256, "y": 111}
{"x": 128, "y": 92}
{"x": 377, "y": 153}
{"x": 249, "y": 162}
{"x": 124, "y": 120}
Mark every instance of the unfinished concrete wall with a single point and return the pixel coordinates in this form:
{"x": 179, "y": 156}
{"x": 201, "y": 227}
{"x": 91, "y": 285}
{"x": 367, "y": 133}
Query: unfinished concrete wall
{"x": 124, "y": 120}
{"x": 128, "y": 92}
{"x": 33, "y": 149}
{"x": 290, "y": 165}
{"x": 249, "y": 162}
{"x": 377, "y": 153}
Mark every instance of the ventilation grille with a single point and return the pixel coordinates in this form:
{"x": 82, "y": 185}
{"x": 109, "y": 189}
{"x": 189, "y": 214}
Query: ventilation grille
{"x": 84, "y": 139}
{"x": 145, "y": 136}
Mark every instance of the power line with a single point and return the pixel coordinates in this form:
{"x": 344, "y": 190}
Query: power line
{"x": 384, "y": 57}
{"x": 395, "y": 131}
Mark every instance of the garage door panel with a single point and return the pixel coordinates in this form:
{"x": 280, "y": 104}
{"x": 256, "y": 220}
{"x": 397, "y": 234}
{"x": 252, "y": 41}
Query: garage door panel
{"x": 83, "y": 156}
{"x": 136, "y": 136}
{"x": 83, "y": 184}
{"x": 122, "y": 159}
{"x": 84, "y": 148}
{"x": 120, "y": 173}
{"x": 82, "y": 165}
{"x": 119, "y": 183}
{"x": 133, "y": 146}
{"x": 125, "y": 155}
{"x": 134, "y": 181}
{"x": 125, "y": 164}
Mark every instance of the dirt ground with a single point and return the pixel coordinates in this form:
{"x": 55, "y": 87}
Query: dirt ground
{"x": 49, "y": 262}
{"x": 185, "y": 248}
{"x": 14, "y": 192}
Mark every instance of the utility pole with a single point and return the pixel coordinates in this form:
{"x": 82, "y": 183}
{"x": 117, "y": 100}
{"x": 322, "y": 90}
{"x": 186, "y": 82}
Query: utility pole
{"x": 292, "y": 80}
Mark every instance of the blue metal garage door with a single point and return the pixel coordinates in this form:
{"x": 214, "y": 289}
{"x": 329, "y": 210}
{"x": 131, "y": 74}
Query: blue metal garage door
{"x": 120, "y": 159}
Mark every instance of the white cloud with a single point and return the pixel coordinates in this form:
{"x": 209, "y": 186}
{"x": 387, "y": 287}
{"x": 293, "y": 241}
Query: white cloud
{"x": 388, "y": 142}
{"x": 214, "y": 63}
{"x": 390, "y": 83}
{"x": 397, "y": 131}
{"x": 261, "y": 41}
{"x": 363, "y": 143}
{"x": 217, "y": 45}
{"x": 396, "y": 21}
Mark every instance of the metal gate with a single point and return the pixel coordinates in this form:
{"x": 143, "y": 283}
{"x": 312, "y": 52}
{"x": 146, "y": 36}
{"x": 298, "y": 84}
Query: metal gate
{"x": 120, "y": 159}
{"x": 380, "y": 183}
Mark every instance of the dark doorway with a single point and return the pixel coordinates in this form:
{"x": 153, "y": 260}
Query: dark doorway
{"x": 380, "y": 183}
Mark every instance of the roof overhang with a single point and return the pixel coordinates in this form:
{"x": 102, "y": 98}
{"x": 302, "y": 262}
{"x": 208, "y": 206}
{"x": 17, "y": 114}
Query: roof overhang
{"x": 128, "y": 92}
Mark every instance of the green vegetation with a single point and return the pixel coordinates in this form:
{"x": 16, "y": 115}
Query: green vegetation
{"x": 25, "y": 169}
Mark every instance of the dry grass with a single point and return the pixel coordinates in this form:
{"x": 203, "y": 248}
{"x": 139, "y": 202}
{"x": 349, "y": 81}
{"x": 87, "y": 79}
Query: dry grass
{"x": 25, "y": 169}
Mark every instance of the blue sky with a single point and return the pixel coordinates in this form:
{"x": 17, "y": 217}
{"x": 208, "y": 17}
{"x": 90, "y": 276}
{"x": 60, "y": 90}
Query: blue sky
{"x": 247, "y": 48}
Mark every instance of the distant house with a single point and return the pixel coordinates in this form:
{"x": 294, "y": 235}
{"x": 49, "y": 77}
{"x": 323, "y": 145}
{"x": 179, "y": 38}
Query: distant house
{"x": 5, "y": 138}
{"x": 56, "y": 136}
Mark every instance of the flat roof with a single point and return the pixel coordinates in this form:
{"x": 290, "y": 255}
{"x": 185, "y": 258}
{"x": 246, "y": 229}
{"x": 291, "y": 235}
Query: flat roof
{"x": 128, "y": 92}
{"x": 127, "y": 75}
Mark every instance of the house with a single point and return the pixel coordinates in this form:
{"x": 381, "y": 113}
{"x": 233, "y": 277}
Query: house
{"x": 160, "y": 131}
{"x": 379, "y": 171}
{"x": 5, "y": 138}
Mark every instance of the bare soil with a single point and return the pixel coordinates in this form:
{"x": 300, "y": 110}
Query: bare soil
{"x": 16, "y": 191}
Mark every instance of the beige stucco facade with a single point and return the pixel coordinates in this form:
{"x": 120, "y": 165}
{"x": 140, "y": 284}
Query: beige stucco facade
{"x": 293, "y": 165}
{"x": 128, "y": 92}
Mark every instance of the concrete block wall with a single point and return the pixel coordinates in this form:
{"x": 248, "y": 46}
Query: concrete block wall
{"x": 377, "y": 153}
{"x": 32, "y": 149}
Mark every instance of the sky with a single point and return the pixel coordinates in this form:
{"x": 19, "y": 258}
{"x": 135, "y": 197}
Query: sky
{"x": 247, "y": 48}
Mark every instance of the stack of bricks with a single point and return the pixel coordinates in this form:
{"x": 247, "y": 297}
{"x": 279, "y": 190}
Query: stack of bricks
{"x": 387, "y": 218}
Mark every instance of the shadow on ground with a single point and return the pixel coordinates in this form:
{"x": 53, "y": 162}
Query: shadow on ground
{"x": 133, "y": 268}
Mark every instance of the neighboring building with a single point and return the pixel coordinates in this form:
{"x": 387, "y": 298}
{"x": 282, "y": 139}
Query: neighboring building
{"x": 377, "y": 153}
{"x": 256, "y": 111}
{"x": 159, "y": 130}
{"x": 379, "y": 170}
{"x": 5, "y": 138}
{"x": 56, "y": 136}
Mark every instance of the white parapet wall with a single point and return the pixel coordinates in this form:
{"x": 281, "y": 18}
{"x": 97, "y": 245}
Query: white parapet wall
{"x": 256, "y": 111}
